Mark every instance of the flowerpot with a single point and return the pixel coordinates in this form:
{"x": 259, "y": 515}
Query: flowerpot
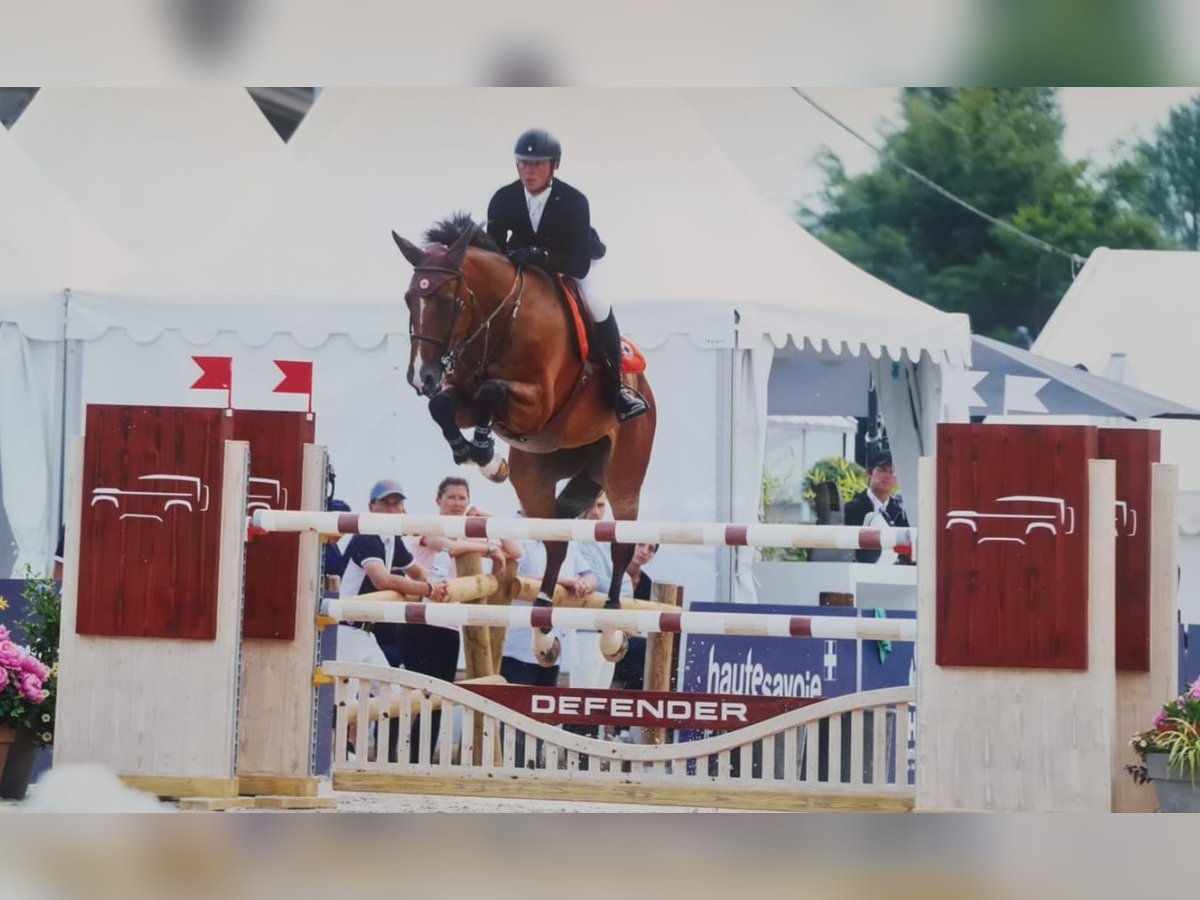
{"x": 8, "y": 734}
{"x": 1173, "y": 786}
{"x": 17, "y": 771}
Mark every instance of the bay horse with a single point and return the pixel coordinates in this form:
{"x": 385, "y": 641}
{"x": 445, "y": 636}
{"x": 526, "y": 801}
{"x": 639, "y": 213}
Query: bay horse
{"x": 492, "y": 348}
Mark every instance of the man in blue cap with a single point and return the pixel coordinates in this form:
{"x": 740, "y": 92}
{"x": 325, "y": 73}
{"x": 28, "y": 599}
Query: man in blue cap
{"x": 382, "y": 563}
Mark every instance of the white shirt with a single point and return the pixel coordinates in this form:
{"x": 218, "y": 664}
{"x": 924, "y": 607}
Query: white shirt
{"x": 537, "y": 205}
{"x": 877, "y": 519}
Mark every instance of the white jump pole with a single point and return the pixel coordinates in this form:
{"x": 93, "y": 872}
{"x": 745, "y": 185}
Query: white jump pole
{"x": 644, "y": 621}
{"x": 826, "y": 537}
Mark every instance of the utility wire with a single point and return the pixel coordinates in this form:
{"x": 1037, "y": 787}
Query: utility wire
{"x": 1076, "y": 260}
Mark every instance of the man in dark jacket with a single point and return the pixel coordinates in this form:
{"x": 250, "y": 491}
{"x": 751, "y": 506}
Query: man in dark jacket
{"x": 877, "y": 506}
{"x": 542, "y": 221}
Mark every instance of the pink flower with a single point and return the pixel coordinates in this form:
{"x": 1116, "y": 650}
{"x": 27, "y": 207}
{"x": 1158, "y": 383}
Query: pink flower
{"x": 3, "y": 677}
{"x": 1160, "y": 721}
{"x": 33, "y": 666}
{"x": 31, "y": 688}
{"x": 10, "y": 655}
{"x": 1195, "y": 691}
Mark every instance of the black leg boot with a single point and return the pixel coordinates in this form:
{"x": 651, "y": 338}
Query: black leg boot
{"x": 625, "y": 401}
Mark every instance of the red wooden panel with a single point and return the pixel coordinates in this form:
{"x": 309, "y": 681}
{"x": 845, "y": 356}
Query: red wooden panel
{"x": 1135, "y": 452}
{"x": 150, "y": 531}
{"x": 277, "y": 442}
{"x": 1012, "y": 517}
{"x": 648, "y": 709}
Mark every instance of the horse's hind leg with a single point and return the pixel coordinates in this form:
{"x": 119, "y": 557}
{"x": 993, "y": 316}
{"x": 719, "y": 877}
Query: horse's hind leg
{"x": 443, "y": 407}
{"x": 623, "y": 478}
{"x": 534, "y": 478}
{"x": 577, "y": 497}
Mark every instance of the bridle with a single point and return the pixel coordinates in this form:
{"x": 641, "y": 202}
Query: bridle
{"x": 429, "y": 286}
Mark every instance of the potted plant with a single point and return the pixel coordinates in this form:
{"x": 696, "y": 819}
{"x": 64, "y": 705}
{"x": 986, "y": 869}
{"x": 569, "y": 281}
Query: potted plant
{"x": 1170, "y": 753}
{"x": 22, "y": 676}
{"x": 830, "y": 483}
{"x": 34, "y": 727}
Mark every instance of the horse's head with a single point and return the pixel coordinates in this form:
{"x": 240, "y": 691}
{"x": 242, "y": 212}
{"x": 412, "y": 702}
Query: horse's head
{"x": 435, "y": 304}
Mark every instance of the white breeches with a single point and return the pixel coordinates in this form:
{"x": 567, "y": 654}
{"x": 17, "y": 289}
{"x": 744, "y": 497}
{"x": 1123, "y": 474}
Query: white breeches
{"x": 593, "y": 295}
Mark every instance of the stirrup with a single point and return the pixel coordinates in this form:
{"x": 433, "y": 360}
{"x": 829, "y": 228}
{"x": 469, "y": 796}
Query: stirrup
{"x": 630, "y": 404}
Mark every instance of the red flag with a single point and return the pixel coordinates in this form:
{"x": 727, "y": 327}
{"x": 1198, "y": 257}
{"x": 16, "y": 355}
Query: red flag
{"x": 297, "y": 378}
{"x": 217, "y": 373}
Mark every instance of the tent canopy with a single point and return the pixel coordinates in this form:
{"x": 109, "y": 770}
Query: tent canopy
{"x": 685, "y": 231}
{"x": 1133, "y": 314}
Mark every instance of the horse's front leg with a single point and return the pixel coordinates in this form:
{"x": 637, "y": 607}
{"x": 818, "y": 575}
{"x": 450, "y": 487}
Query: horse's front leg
{"x": 489, "y": 400}
{"x": 443, "y": 407}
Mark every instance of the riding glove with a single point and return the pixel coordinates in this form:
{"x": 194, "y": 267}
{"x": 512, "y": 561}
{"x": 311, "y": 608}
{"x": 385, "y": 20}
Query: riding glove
{"x": 528, "y": 256}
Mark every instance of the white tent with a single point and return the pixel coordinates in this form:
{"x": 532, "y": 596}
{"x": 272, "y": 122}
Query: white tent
{"x": 703, "y": 274}
{"x": 46, "y": 245}
{"x": 164, "y": 171}
{"x": 1132, "y": 315}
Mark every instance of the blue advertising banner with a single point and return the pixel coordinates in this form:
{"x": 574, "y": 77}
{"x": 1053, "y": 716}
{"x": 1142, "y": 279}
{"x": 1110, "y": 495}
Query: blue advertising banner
{"x": 770, "y": 666}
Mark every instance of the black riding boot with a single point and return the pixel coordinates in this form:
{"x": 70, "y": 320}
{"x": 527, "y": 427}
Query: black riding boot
{"x": 625, "y": 401}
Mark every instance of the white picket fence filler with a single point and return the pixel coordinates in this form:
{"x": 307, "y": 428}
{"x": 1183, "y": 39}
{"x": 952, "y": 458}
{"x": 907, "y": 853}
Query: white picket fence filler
{"x": 795, "y": 760}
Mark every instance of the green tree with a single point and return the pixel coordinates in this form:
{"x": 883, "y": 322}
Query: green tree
{"x": 1000, "y": 150}
{"x": 1162, "y": 176}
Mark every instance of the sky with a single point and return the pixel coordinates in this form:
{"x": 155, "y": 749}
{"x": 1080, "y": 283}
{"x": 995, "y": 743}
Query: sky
{"x": 773, "y": 136}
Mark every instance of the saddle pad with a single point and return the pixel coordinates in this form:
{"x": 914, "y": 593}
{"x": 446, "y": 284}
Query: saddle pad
{"x": 633, "y": 361}
{"x": 576, "y": 314}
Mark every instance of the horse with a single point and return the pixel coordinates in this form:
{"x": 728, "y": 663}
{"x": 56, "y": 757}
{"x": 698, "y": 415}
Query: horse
{"x": 491, "y": 346}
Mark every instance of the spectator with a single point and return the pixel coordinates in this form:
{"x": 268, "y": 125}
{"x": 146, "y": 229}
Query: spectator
{"x": 590, "y": 668}
{"x": 878, "y": 505}
{"x": 433, "y": 649}
{"x": 630, "y": 672}
{"x": 378, "y": 563}
{"x": 435, "y": 553}
{"x": 517, "y": 663}
{"x": 335, "y": 548}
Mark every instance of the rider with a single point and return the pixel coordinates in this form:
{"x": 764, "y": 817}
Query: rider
{"x": 539, "y": 220}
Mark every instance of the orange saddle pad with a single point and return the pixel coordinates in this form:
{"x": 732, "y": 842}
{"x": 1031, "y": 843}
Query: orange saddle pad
{"x": 633, "y": 361}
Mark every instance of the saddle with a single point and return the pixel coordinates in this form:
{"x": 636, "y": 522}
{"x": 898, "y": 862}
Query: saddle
{"x": 570, "y": 294}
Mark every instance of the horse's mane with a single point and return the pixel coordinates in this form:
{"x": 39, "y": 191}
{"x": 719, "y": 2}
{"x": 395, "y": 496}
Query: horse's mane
{"x": 451, "y": 228}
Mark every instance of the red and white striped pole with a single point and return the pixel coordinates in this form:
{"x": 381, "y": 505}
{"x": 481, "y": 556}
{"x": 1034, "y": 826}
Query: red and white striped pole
{"x": 644, "y": 621}
{"x": 828, "y": 537}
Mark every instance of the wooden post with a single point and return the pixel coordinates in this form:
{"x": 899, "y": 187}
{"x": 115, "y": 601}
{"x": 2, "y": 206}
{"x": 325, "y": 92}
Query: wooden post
{"x": 1141, "y": 694}
{"x": 275, "y": 730}
{"x": 503, "y": 596}
{"x": 476, "y": 639}
{"x": 661, "y": 655}
{"x": 477, "y": 646}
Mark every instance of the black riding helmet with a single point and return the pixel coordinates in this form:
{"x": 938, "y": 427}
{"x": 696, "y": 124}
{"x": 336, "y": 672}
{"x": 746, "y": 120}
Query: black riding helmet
{"x": 538, "y": 144}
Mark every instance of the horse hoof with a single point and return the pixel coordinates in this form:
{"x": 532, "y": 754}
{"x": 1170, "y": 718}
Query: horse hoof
{"x": 462, "y": 456}
{"x": 549, "y": 659}
{"x": 496, "y": 470}
{"x": 613, "y": 645}
{"x": 546, "y": 648}
{"x": 482, "y": 455}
